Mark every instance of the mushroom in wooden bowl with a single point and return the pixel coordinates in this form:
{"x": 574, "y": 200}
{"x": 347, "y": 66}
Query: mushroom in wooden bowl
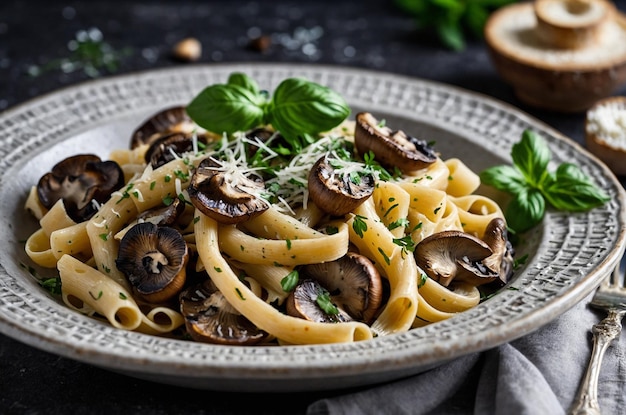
{"x": 559, "y": 55}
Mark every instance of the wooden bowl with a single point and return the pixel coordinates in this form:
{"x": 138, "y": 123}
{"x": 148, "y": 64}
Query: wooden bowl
{"x": 605, "y": 132}
{"x": 560, "y": 55}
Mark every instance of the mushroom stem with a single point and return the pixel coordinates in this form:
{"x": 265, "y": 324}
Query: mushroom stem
{"x": 571, "y": 24}
{"x": 154, "y": 261}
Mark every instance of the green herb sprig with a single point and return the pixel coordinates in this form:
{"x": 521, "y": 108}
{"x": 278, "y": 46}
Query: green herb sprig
{"x": 87, "y": 52}
{"x": 534, "y": 188}
{"x": 451, "y": 20}
{"x": 299, "y": 109}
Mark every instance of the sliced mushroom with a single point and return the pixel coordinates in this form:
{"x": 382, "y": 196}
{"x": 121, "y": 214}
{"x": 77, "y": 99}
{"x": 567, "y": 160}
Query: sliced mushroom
{"x": 224, "y": 195}
{"x": 161, "y": 216}
{"x": 164, "y": 122}
{"x": 83, "y": 182}
{"x": 353, "y": 282}
{"x": 501, "y": 260}
{"x": 210, "y": 318}
{"x": 337, "y": 194}
{"x": 153, "y": 258}
{"x": 391, "y": 148}
{"x": 454, "y": 255}
{"x": 169, "y": 147}
{"x": 310, "y": 301}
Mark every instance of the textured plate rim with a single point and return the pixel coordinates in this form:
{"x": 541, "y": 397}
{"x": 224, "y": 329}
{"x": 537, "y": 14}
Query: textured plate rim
{"x": 404, "y": 353}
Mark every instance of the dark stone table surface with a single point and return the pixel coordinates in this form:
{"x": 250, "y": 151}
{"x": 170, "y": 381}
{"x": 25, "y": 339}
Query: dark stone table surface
{"x": 371, "y": 34}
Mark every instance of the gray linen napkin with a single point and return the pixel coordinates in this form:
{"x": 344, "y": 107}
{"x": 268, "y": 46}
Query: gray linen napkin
{"x": 536, "y": 374}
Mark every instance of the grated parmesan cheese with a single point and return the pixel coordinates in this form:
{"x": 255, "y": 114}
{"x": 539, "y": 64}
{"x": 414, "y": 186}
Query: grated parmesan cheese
{"x": 608, "y": 123}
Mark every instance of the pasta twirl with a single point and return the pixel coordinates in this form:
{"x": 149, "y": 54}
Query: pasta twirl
{"x": 257, "y": 265}
{"x": 291, "y": 329}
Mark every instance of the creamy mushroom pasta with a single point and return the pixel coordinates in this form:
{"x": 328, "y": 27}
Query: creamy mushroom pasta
{"x": 233, "y": 239}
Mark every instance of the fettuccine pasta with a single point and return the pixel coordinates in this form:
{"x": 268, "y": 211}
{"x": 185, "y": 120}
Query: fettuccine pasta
{"x": 155, "y": 257}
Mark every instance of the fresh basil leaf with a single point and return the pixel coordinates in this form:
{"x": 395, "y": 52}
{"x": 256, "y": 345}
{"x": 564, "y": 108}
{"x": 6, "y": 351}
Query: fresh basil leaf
{"x": 300, "y": 108}
{"x": 244, "y": 81}
{"x": 455, "y": 6}
{"x": 475, "y": 18}
{"x": 504, "y": 178}
{"x": 451, "y": 34}
{"x": 226, "y": 108}
{"x": 571, "y": 190}
{"x": 531, "y": 156}
{"x": 526, "y": 210}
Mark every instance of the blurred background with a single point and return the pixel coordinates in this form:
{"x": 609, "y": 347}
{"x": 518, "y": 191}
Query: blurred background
{"x": 47, "y": 44}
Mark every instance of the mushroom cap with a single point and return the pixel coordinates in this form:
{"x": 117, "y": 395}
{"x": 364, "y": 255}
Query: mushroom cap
{"x": 544, "y": 73}
{"x": 79, "y": 180}
{"x": 454, "y": 255}
{"x": 224, "y": 196}
{"x": 263, "y": 135}
{"x": 302, "y": 302}
{"x": 169, "y": 120}
{"x": 391, "y": 148}
{"x": 501, "y": 261}
{"x": 337, "y": 194}
{"x": 353, "y": 282}
{"x": 153, "y": 259}
{"x": 163, "y": 215}
{"x": 167, "y": 147}
{"x": 210, "y": 318}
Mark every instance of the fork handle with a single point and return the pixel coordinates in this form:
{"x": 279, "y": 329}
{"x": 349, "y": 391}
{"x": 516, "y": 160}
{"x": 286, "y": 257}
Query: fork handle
{"x": 604, "y": 332}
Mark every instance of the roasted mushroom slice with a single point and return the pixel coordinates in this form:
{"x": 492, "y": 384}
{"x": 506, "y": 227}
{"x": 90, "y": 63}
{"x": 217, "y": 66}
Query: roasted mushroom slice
{"x": 169, "y": 147}
{"x": 455, "y": 255}
{"x": 226, "y": 195}
{"x": 163, "y": 215}
{"x": 391, "y": 148}
{"x": 170, "y": 120}
{"x": 353, "y": 282}
{"x": 153, "y": 258}
{"x": 82, "y": 181}
{"x": 310, "y": 301}
{"x": 501, "y": 260}
{"x": 210, "y": 318}
{"x": 337, "y": 193}
{"x": 160, "y": 215}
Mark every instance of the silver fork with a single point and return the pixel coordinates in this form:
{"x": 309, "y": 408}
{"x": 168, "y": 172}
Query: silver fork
{"x": 611, "y": 297}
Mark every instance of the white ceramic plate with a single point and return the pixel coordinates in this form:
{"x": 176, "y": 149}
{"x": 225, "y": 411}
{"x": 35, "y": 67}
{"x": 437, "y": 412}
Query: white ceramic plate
{"x": 568, "y": 254}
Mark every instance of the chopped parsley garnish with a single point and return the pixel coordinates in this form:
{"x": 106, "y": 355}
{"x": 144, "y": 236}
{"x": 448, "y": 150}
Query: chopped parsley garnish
{"x": 400, "y": 223}
{"x": 324, "y": 302}
{"x": 289, "y": 282}
{"x": 52, "y": 285}
{"x": 359, "y": 225}
{"x": 422, "y": 280}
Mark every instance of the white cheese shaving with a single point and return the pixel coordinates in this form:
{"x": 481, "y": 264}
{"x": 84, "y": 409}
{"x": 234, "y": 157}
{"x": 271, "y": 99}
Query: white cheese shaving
{"x": 147, "y": 173}
{"x": 178, "y": 186}
{"x": 101, "y": 224}
{"x": 138, "y": 195}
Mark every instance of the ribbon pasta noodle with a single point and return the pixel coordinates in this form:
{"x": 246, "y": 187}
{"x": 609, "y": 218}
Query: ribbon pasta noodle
{"x": 291, "y": 329}
{"x": 88, "y": 290}
{"x": 246, "y": 248}
{"x": 397, "y": 266}
{"x": 251, "y": 262}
